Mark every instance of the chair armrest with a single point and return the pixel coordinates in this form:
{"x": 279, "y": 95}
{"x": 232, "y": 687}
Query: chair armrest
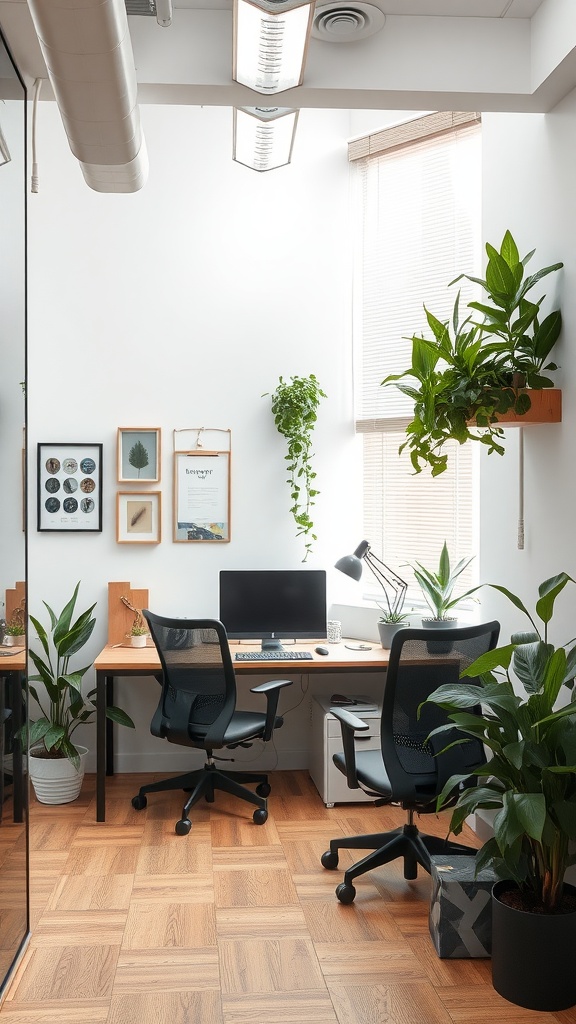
{"x": 349, "y": 725}
{"x": 271, "y": 689}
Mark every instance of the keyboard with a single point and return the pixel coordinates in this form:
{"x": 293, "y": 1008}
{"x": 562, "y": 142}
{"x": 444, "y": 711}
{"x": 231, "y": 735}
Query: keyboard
{"x": 273, "y": 656}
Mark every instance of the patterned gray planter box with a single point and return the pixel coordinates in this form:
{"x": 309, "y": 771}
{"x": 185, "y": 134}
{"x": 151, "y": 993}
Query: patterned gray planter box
{"x": 460, "y": 908}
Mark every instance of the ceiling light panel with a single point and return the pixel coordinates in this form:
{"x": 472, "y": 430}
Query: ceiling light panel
{"x": 271, "y": 43}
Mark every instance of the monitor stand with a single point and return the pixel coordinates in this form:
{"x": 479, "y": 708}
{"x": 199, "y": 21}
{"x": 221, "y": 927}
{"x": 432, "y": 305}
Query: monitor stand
{"x": 271, "y": 644}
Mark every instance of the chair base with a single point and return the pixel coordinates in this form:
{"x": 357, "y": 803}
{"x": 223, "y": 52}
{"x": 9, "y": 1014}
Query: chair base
{"x": 204, "y": 782}
{"x": 407, "y": 842}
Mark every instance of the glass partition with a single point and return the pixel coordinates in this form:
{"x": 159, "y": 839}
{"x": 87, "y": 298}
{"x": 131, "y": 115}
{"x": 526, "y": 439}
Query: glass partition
{"x": 14, "y": 916}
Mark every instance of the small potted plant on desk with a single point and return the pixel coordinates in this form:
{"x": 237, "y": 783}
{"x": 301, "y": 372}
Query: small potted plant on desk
{"x": 389, "y": 623}
{"x": 56, "y": 763}
{"x": 530, "y": 781}
{"x": 14, "y": 634}
{"x": 437, "y": 587}
{"x": 139, "y": 631}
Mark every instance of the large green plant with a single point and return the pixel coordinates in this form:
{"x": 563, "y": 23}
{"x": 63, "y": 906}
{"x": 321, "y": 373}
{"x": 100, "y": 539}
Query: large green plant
{"x": 469, "y": 372}
{"x": 530, "y": 776}
{"x": 294, "y": 405}
{"x": 64, "y": 707}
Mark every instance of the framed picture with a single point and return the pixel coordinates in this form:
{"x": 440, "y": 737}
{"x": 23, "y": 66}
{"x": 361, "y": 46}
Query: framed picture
{"x": 70, "y": 487}
{"x": 138, "y": 455}
{"x": 201, "y": 496}
{"x": 138, "y": 517}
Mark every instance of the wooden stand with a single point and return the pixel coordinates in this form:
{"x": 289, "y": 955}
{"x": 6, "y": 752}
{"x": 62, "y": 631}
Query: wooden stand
{"x": 15, "y": 598}
{"x": 120, "y": 618}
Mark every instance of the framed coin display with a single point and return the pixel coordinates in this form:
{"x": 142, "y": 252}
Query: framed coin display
{"x": 70, "y": 487}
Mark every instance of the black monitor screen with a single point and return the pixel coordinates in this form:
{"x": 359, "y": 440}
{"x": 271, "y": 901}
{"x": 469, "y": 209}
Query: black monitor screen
{"x": 260, "y": 604}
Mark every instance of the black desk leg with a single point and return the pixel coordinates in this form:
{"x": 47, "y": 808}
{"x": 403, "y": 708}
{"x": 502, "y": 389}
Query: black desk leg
{"x": 17, "y": 766}
{"x": 101, "y": 686}
{"x": 109, "y": 727}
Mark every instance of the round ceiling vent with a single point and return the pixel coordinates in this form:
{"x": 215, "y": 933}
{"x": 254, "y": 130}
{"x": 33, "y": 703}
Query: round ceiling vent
{"x": 343, "y": 22}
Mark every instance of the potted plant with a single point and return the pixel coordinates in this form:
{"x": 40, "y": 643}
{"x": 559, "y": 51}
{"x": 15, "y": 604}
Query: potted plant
{"x": 294, "y": 406}
{"x": 467, "y": 374}
{"x": 139, "y": 631}
{"x": 56, "y": 764}
{"x": 530, "y": 781}
{"x": 390, "y": 621}
{"x": 13, "y": 633}
{"x": 437, "y": 586}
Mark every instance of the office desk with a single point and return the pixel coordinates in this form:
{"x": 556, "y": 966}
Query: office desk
{"x": 143, "y": 661}
{"x": 12, "y": 673}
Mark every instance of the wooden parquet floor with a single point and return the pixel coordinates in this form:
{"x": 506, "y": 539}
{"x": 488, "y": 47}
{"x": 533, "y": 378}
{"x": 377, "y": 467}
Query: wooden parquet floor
{"x": 233, "y": 924}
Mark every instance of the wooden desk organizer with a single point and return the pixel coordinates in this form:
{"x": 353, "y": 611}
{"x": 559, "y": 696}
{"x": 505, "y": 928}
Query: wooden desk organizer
{"x": 120, "y": 618}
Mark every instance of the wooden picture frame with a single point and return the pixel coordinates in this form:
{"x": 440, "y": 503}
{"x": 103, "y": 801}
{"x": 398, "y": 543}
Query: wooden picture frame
{"x": 138, "y": 517}
{"x": 69, "y": 494}
{"x": 138, "y": 455}
{"x": 201, "y": 497}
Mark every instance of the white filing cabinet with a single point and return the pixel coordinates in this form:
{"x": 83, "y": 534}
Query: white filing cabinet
{"x": 326, "y": 740}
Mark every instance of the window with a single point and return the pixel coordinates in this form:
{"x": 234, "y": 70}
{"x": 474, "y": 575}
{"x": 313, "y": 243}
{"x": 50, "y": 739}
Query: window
{"x": 417, "y": 189}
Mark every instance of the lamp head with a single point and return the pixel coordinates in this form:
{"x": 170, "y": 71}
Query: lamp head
{"x": 351, "y": 565}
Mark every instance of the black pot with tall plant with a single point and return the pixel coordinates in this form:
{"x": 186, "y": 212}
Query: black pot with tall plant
{"x": 529, "y": 780}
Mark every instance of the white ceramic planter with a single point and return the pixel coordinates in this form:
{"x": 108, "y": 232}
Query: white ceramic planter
{"x": 56, "y": 780}
{"x": 138, "y": 641}
{"x": 13, "y": 641}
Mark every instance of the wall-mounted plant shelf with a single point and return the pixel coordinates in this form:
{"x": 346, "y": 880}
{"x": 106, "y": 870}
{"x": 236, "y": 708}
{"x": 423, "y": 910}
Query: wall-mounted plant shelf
{"x": 545, "y": 407}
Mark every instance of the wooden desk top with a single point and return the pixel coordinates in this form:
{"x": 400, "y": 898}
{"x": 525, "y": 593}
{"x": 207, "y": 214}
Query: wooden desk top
{"x": 15, "y": 661}
{"x": 131, "y": 660}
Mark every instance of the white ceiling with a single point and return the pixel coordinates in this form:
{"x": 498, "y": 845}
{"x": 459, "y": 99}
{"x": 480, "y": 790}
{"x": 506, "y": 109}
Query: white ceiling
{"x": 517, "y": 55}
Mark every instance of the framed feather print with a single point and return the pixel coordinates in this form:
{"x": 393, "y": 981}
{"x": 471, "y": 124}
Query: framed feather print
{"x": 138, "y": 517}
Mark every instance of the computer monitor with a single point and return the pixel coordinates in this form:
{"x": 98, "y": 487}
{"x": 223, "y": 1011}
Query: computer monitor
{"x": 273, "y": 604}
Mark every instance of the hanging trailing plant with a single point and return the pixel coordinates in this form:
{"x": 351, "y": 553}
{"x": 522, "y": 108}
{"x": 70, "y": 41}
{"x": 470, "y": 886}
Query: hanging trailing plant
{"x": 294, "y": 406}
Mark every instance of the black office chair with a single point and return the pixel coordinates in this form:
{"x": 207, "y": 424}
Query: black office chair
{"x": 406, "y": 770}
{"x": 197, "y": 708}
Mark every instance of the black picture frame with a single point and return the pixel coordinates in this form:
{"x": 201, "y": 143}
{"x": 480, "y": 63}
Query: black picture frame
{"x": 69, "y": 487}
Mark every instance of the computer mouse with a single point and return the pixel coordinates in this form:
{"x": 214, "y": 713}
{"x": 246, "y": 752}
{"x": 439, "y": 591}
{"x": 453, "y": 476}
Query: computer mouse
{"x": 322, "y": 650}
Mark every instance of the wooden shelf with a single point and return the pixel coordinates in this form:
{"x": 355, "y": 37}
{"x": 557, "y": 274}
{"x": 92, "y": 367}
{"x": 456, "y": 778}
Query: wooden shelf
{"x": 546, "y": 407}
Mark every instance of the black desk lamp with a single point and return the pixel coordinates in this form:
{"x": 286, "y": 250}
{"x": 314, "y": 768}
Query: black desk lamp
{"x": 394, "y": 588}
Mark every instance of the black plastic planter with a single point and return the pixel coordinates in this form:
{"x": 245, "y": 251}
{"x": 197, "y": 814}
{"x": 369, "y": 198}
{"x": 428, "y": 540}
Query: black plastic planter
{"x": 533, "y": 955}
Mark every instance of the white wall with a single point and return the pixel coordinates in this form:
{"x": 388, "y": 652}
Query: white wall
{"x": 179, "y": 307}
{"x": 529, "y": 188}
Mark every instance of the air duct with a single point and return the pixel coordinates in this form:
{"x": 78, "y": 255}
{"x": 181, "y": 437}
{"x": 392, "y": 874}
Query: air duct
{"x": 88, "y": 53}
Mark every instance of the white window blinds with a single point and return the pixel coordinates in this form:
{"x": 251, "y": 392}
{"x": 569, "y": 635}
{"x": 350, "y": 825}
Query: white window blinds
{"x": 418, "y": 200}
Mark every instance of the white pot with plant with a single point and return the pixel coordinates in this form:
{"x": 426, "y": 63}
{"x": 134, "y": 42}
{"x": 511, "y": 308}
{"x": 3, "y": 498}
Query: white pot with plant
{"x": 14, "y": 635}
{"x": 139, "y": 632}
{"x": 437, "y": 588}
{"x": 56, "y": 764}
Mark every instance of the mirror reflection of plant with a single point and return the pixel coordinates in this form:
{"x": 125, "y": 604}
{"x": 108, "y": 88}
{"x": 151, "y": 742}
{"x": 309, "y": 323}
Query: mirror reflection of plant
{"x": 468, "y": 373}
{"x": 65, "y": 707}
{"x": 294, "y": 406}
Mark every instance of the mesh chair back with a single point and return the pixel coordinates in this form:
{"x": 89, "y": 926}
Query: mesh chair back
{"x": 420, "y": 661}
{"x": 198, "y": 683}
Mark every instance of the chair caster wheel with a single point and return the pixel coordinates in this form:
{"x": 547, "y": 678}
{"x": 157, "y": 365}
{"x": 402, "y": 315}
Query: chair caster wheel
{"x": 183, "y": 827}
{"x": 260, "y": 816}
{"x": 209, "y": 798}
{"x": 263, "y": 789}
{"x": 329, "y": 860}
{"x": 345, "y": 893}
{"x": 139, "y": 802}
